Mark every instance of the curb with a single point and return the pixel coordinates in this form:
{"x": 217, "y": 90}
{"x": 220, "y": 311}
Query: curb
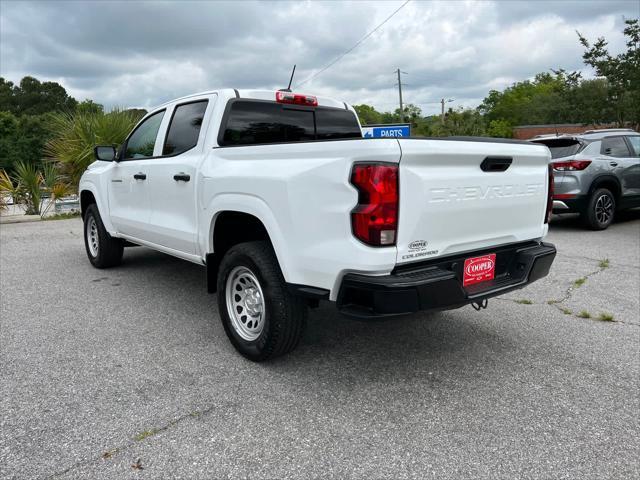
{"x": 20, "y": 219}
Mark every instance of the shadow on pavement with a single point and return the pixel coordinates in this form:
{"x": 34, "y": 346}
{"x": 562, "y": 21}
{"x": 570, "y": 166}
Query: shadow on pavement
{"x": 402, "y": 347}
{"x": 571, "y": 221}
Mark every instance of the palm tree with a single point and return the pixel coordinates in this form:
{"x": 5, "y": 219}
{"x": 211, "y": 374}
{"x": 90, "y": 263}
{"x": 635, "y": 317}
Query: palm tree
{"x": 76, "y": 133}
{"x": 28, "y": 181}
{"x": 7, "y": 188}
{"x": 53, "y": 182}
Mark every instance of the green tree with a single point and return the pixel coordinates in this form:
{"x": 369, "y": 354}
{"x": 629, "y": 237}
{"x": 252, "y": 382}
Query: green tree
{"x": 500, "y": 129}
{"x": 461, "y": 122}
{"x": 22, "y": 139}
{"x": 410, "y": 113}
{"x": 367, "y": 114}
{"x": 33, "y": 97}
{"x": 90, "y": 106}
{"x": 622, "y": 71}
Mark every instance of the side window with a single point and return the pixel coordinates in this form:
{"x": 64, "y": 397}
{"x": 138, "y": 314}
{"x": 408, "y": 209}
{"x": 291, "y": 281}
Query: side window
{"x": 184, "y": 128}
{"x": 592, "y": 148}
{"x": 614, "y": 147}
{"x": 143, "y": 139}
{"x": 635, "y": 143}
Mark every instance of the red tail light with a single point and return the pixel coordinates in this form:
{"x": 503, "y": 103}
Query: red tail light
{"x": 547, "y": 217}
{"x": 374, "y": 221}
{"x": 571, "y": 165}
{"x": 296, "y": 99}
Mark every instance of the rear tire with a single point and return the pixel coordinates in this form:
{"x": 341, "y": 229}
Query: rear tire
{"x": 103, "y": 250}
{"x": 262, "y": 319}
{"x": 600, "y": 209}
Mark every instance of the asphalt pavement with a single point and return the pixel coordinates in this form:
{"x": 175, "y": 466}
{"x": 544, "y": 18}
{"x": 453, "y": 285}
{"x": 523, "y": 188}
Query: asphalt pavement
{"x": 127, "y": 373}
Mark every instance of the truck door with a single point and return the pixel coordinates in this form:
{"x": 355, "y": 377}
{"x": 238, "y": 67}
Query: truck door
{"x": 625, "y": 164}
{"x": 173, "y": 180}
{"x": 129, "y": 206}
{"x": 631, "y": 173}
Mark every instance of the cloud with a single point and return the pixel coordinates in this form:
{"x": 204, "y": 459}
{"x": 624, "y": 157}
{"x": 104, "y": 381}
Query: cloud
{"x": 142, "y": 53}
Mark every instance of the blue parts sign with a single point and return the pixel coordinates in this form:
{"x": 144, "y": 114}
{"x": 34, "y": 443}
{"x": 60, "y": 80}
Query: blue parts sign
{"x": 386, "y": 131}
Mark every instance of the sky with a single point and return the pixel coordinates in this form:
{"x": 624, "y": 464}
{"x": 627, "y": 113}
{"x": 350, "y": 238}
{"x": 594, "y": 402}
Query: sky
{"x": 143, "y": 53}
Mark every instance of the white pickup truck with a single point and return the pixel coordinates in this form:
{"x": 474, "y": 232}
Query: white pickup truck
{"x": 285, "y": 203}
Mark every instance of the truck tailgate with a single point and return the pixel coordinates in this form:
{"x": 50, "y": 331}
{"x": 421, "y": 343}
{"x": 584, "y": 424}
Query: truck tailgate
{"x": 449, "y": 204}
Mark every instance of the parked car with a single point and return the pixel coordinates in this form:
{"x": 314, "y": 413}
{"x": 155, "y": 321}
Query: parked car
{"x": 285, "y": 203}
{"x": 596, "y": 173}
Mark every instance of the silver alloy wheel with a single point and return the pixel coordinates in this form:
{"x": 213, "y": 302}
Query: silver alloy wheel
{"x": 245, "y": 303}
{"x": 604, "y": 208}
{"x": 92, "y": 236}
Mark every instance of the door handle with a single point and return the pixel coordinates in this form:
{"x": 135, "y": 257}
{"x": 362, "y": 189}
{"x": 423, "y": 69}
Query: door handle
{"x": 496, "y": 164}
{"x": 140, "y": 176}
{"x": 613, "y": 164}
{"x": 181, "y": 177}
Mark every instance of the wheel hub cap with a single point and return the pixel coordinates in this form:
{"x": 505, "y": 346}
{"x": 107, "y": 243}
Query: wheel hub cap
{"x": 604, "y": 208}
{"x": 245, "y": 303}
{"x": 92, "y": 237}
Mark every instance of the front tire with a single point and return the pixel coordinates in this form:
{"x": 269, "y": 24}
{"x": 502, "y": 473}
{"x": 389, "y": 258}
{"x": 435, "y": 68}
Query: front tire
{"x": 262, "y": 319}
{"x": 103, "y": 250}
{"x": 600, "y": 209}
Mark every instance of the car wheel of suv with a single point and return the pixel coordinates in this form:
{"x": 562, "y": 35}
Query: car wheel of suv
{"x": 600, "y": 209}
{"x": 102, "y": 249}
{"x": 261, "y": 317}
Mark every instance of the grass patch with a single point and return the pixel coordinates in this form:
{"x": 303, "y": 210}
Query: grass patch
{"x": 605, "y": 317}
{"x": 524, "y": 301}
{"x": 579, "y": 282}
{"x": 62, "y": 216}
{"x": 584, "y": 314}
{"x": 146, "y": 434}
{"x": 110, "y": 453}
{"x": 604, "y": 263}
{"x": 552, "y": 302}
{"x": 566, "y": 311}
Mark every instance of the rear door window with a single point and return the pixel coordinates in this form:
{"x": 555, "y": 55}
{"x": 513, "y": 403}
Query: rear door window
{"x": 184, "y": 128}
{"x": 615, "y": 147}
{"x": 250, "y": 122}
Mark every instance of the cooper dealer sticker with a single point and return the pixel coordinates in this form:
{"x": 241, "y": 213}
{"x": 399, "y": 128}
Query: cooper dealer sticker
{"x": 418, "y": 249}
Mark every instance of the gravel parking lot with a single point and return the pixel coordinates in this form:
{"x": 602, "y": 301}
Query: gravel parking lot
{"x": 104, "y": 370}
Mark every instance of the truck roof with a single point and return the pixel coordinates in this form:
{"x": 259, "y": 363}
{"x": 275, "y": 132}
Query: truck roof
{"x": 257, "y": 94}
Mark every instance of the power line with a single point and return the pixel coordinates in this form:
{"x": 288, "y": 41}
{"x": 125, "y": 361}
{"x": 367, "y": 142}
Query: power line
{"x": 354, "y": 46}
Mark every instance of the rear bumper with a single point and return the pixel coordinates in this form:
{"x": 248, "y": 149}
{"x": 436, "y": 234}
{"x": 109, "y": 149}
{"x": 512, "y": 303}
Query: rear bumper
{"x": 575, "y": 204}
{"x": 437, "y": 284}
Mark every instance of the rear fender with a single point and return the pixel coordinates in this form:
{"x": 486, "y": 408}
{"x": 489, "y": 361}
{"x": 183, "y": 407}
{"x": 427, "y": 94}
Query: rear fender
{"x": 251, "y": 205}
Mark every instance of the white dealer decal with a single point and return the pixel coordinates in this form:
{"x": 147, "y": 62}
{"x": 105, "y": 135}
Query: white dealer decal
{"x": 418, "y": 249}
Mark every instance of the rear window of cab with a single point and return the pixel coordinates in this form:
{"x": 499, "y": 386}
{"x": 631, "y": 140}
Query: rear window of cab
{"x": 259, "y": 122}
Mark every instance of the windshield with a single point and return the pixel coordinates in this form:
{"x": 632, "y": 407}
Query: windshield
{"x": 561, "y": 147}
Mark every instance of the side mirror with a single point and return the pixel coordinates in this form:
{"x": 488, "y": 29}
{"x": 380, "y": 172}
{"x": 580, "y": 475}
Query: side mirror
{"x": 105, "y": 153}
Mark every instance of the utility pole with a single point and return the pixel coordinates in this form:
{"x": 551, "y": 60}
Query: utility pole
{"x": 398, "y": 71}
{"x": 442, "y": 102}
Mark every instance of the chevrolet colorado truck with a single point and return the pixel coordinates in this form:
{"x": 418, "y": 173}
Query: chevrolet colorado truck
{"x": 281, "y": 199}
